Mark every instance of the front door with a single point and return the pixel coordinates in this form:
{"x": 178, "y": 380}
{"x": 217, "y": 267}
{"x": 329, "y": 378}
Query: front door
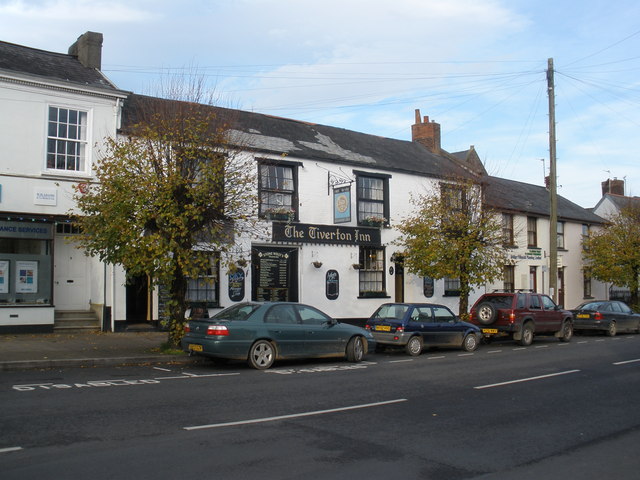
{"x": 399, "y": 282}
{"x": 70, "y": 276}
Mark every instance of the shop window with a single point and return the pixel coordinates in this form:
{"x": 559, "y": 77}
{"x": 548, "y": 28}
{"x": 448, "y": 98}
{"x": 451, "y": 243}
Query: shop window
{"x": 67, "y": 140}
{"x": 372, "y": 197}
{"x": 371, "y": 272}
{"x": 278, "y": 190}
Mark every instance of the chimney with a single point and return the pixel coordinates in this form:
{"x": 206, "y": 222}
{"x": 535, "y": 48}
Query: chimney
{"x": 614, "y": 187}
{"x": 88, "y": 50}
{"x": 426, "y": 133}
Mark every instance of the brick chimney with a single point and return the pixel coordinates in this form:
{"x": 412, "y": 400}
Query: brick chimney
{"x": 426, "y": 133}
{"x": 88, "y": 50}
{"x": 614, "y": 187}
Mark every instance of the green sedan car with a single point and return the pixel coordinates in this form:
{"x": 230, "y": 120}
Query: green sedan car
{"x": 261, "y": 333}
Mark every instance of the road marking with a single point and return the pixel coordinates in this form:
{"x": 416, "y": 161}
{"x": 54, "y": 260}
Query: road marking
{"x": 465, "y": 354}
{"x": 436, "y": 358}
{"x": 400, "y": 361}
{"x": 11, "y": 449}
{"x": 584, "y": 341}
{"x": 541, "y": 346}
{"x": 295, "y": 415}
{"x": 525, "y": 379}
{"x": 494, "y": 351}
{"x": 627, "y": 361}
{"x": 163, "y": 369}
{"x": 519, "y": 348}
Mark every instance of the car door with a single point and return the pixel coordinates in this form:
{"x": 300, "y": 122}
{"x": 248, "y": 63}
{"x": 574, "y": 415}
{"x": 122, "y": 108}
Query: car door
{"x": 322, "y": 334}
{"x": 626, "y": 321}
{"x": 447, "y": 330}
{"x": 281, "y": 324}
{"x": 550, "y": 319}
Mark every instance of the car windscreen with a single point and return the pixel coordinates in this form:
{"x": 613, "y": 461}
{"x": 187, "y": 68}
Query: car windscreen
{"x": 391, "y": 311}
{"x": 241, "y": 311}
{"x": 590, "y": 306}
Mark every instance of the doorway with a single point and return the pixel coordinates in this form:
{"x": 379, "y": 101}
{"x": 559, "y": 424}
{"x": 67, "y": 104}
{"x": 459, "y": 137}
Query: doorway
{"x": 138, "y": 299}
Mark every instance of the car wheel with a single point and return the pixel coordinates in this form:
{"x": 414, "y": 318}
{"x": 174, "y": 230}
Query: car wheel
{"x": 567, "y": 332}
{"x": 612, "y": 330}
{"x": 527, "y": 335}
{"x": 355, "y": 349}
{"x": 414, "y": 346}
{"x": 486, "y": 313}
{"x": 470, "y": 342}
{"x": 262, "y": 355}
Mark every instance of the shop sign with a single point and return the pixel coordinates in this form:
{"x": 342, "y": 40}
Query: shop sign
{"x": 325, "y": 234}
{"x": 42, "y": 231}
{"x": 45, "y": 196}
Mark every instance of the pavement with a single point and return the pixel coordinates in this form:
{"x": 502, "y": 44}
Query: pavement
{"x": 52, "y": 350}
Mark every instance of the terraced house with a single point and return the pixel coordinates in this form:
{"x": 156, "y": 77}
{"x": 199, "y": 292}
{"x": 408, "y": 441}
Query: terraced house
{"x": 328, "y": 197}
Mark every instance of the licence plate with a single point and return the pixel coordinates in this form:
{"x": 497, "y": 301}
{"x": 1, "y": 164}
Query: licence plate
{"x": 195, "y": 348}
{"x": 383, "y": 328}
{"x": 583, "y": 315}
{"x": 489, "y": 330}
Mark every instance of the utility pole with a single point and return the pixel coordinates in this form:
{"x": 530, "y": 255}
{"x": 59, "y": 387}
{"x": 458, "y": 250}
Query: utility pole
{"x": 553, "y": 194}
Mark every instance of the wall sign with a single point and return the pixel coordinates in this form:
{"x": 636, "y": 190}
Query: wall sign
{"x": 332, "y": 284}
{"x": 325, "y": 234}
{"x": 342, "y": 204}
{"x": 45, "y": 196}
{"x": 428, "y": 287}
{"x": 236, "y": 286}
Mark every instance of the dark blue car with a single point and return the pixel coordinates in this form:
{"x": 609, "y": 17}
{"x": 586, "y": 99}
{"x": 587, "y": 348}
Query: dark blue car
{"x": 416, "y": 326}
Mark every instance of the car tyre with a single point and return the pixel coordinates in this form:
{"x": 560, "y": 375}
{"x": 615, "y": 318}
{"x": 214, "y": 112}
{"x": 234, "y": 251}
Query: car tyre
{"x": 527, "y": 335}
{"x": 567, "y": 332}
{"x": 470, "y": 342}
{"x": 414, "y": 346}
{"x": 487, "y": 313}
{"x": 355, "y": 349}
{"x": 262, "y": 355}
{"x": 612, "y": 330}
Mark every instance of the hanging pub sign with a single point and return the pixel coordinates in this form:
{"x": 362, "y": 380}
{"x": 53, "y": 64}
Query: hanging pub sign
{"x": 332, "y": 284}
{"x": 342, "y": 204}
{"x": 236, "y": 286}
{"x": 428, "y": 285}
{"x": 325, "y": 234}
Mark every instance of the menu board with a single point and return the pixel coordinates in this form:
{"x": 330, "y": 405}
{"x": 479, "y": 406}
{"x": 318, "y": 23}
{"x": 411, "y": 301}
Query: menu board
{"x": 428, "y": 286}
{"x": 273, "y": 275}
{"x": 332, "y": 284}
{"x": 236, "y": 286}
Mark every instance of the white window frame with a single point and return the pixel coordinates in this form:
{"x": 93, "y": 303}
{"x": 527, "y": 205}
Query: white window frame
{"x": 86, "y": 159}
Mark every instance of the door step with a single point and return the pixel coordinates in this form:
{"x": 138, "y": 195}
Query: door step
{"x": 76, "y": 321}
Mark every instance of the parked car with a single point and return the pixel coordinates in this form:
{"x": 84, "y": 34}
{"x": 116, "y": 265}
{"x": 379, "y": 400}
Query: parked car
{"x": 415, "y": 326}
{"x": 521, "y": 315}
{"x": 608, "y": 316}
{"x": 261, "y": 333}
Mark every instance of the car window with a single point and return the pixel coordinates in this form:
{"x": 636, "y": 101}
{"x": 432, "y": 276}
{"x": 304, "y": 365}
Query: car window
{"x": 311, "y": 316}
{"x": 534, "y": 302}
{"x": 625, "y": 308}
{"x": 589, "y": 306}
{"x": 521, "y": 301}
{"x": 281, "y": 314}
{"x": 605, "y": 307}
{"x": 615, "y": 306}
{"x": 421, "y": 314}
{"x": 241, "y": 311}
{"x": 391, "y": 311}
{"x": 443, "y": 314}
{"x": 499, "y": 301}
{"x": 548, "y": 303}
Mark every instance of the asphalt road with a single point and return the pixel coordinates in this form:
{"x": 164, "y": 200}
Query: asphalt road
{"x": 551, "y": 410}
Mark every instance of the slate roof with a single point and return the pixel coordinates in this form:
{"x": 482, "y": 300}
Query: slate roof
{"x": 512, "y": 196}
{"x": 620, "y": 201}
{"x": 276, "y": 135}
{"x": 50, "y": 66}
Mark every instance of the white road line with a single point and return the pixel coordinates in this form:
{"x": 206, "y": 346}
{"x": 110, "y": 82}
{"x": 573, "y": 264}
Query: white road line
{"x": 11, "y": 449}
{"x": 193, "y": 375}
{"x": 465, "y": 354}
{"x": 518, "y": 349}
{"x": 525, "y": 379}
{"x": 162, "y": 369}
{"x": 541, "y": 346}
{"x": 401, "y": 361}
{"x": 627, "y": 361}
{"x": 436, "y": 358}
{"x": 494, "y": 351}
{"x": 584, "y": 341}
{"x": 295, "y": 415}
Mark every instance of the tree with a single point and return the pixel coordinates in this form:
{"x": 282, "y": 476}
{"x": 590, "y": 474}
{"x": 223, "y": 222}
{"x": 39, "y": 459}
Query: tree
{"x": 452, "y": 235}
{"x": 170, "y": 193}
{"x": 612, "y": 253}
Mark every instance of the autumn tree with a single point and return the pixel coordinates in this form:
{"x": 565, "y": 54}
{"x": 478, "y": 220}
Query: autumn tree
{"x": 451, "y": 235}
{"x": 171, "y": 192}
{"x": 612, "y": 253}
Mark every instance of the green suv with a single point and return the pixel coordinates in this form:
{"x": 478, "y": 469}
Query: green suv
{"x": 521, "y": 315}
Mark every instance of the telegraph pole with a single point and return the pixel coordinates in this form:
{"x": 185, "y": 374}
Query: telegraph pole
{"x": 553, "y": 194}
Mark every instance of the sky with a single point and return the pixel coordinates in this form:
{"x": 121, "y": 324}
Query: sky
{"x": 477, "y": 67}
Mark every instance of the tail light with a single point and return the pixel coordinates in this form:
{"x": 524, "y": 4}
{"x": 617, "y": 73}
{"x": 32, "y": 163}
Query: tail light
{"x": 217, "y": 330}
{"x": 400, "y": 329}
{"x": 367, "y": 327}
{"x": 512, "y": 317}
{"x": 597, "y": 316}
{"x": 187, "y": 328}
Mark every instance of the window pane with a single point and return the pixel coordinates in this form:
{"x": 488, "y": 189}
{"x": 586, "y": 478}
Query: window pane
{"x": 66, "y": 148}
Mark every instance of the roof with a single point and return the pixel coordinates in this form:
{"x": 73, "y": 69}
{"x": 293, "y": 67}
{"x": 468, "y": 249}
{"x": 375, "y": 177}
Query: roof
{"x": 275, "y": 135}
{"x": 510, "y": 195}
{"x": 619, "y": 201}
{"x": 50, "y": 66}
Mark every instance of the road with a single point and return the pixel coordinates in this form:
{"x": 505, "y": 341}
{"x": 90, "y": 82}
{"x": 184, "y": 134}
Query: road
{"x": 551, "y": 410}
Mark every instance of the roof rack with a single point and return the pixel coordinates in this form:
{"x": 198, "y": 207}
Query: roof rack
{"x": 516, "y": 290}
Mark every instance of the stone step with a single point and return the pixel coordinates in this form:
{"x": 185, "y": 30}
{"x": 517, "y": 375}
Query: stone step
{"x": 76, "y": 322}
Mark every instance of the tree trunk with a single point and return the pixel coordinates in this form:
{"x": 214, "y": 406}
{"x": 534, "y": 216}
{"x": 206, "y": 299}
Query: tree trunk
{"x": 176, "y": 307}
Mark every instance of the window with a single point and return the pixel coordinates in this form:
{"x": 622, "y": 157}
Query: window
{"x": 278, "y": 190}
{"x": 533, "y": 279}
{"x": 509, "y": 278}
{"x": 372, "y": 198}
{"x": 451, "y": 287}
{"x": 453, "y": 197}
{"x": 535, "y": 302}
{"x": 532, "y": 232}
{"x": 67, "y": 140}
{"x": 203, "y": 290}
{"x": 560, "y": 236}
{"x": 372, "y": 272}
{"x": 548, "y": 303}
{"x": 586, "y": 282}
{"x": 311, "y": 316}
{"x": 507, "y": 229}
{"x": 443, "y": 314}
{"x": 585, "y": 234}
